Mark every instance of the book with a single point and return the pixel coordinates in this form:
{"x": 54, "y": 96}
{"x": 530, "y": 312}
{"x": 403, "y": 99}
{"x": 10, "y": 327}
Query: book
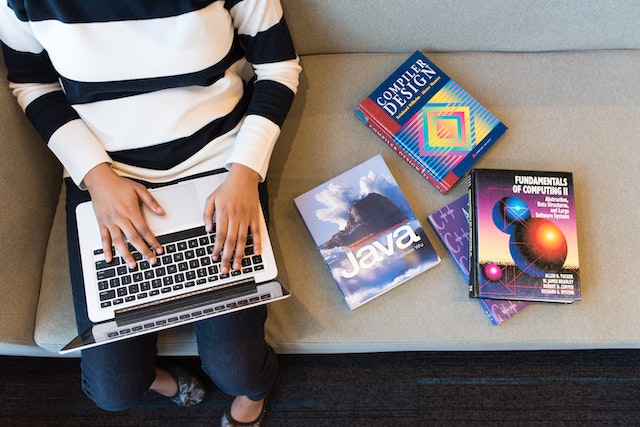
{"x": 430, "y": 121}
{"x": 451, "y": 224}
{"x": 524, "y": 240}
{"x": 366, "y": 231}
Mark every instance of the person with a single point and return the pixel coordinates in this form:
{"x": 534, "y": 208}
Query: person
{"x": 129, "y": 95}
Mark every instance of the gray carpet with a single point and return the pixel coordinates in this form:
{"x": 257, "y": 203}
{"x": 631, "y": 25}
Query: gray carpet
{"x": 547, "y": 388}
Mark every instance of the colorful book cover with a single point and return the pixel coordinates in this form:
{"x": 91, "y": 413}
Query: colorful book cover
{"x": 430, "y": 121}
{"x": 524, "y": 236}
{"x": 366, "y": 232}
{"x": 451, "y": 224}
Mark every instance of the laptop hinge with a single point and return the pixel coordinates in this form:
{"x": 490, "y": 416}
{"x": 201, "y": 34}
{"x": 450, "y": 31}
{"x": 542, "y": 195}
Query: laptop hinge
{"x": 185, "y": 301}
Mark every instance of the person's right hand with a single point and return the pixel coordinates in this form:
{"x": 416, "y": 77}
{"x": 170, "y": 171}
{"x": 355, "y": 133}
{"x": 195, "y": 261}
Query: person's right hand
{"x": 117, "y": 202}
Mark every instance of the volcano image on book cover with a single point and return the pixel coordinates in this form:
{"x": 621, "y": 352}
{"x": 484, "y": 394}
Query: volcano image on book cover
{"x": 366, "y": 231}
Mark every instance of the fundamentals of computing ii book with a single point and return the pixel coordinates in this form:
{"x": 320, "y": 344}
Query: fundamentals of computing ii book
{"x": 524, "y": 240}
{"x": 429, "y": 120}
{"x": 366, "y": 232}
{"x": 451, "y": 224}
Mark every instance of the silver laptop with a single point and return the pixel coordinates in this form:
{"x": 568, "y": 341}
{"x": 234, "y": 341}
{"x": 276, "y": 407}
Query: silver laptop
{"x": 184, "y": 286}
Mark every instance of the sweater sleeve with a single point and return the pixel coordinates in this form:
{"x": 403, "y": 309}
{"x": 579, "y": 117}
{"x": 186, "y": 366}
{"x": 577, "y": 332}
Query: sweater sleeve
{"x": 35, "y": 84}
{"x": 264, "y": 34}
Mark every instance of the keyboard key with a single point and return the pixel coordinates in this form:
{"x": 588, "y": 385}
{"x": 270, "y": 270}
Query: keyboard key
{"x": 101, "y": 265}
{"x": 106, "y": 274}
{"x": 107, "y": 295}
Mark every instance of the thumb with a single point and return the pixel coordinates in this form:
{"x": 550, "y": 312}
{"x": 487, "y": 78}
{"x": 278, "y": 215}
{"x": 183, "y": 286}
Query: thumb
{"x": 150, "y": 202}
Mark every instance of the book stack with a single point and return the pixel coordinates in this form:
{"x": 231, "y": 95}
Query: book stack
{"x": 451, "y": 224}
{"x": 513, "y": 235}
{"x": 524, "y": 241}
{"x": 514, "y": 239}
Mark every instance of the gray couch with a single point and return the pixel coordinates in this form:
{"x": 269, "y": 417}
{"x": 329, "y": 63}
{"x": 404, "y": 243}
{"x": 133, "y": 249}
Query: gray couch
{"x": 561, "y": 75}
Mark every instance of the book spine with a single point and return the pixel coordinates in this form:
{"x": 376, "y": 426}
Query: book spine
{"x": 473, "y": 270}
{"x": 487, "y": 310}
{"x": 388, "y": 137}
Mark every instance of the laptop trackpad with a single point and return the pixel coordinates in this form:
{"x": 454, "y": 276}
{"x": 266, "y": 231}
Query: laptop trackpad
{"x": 181, "y": 206}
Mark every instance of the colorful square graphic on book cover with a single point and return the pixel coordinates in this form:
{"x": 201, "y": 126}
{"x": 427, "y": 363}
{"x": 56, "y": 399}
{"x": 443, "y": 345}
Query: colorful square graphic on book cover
{"x": 446, "y": 127}
{"x": 447, "y": 131}
{"x": 366, "y": 231}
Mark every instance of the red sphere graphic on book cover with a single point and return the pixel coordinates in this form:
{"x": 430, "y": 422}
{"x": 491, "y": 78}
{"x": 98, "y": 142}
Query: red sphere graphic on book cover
{"x": 537, "y": 245}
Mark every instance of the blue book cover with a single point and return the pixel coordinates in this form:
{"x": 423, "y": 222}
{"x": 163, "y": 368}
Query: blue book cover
{"x": 366, "y": 231}
{"x": 430, "y": 121}
{"x": 451, "y": 224}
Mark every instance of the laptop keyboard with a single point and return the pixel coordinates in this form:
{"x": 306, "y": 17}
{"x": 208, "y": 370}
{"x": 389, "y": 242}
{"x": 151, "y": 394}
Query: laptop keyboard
{"x": 185, "y": 265}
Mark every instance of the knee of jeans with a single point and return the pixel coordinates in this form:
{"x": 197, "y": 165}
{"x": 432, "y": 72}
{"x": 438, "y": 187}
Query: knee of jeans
{"x": 112, "y": 395}
{"x": 241, "y": 376}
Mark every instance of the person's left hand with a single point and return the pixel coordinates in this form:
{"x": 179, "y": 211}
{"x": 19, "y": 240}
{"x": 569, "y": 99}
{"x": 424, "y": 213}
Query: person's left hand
{"x": 236, "y": 206}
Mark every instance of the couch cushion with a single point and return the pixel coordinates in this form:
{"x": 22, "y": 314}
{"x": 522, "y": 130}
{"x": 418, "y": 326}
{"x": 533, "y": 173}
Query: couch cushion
{"x": 574, "y": 111}
{"x": 27, "y": 201}
{"x": 565, "y": 111}
{"x": 339, "y": 26}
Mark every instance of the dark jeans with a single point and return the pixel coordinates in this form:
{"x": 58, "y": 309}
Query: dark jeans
{"x": 232, "y": 348}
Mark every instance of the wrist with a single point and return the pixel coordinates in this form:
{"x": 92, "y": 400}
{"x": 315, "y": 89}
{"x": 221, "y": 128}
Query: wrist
{"x": 97, "y": 175}
{"x": 238, "y": 171}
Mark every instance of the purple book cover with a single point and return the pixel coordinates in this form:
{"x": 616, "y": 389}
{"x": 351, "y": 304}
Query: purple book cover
{"x": 366, "y": 232}
{"x": 524, "y": 236}
{"x": 451, "y": 224}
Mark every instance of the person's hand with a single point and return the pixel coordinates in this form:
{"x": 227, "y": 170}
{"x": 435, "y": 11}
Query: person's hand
{"x": 236, "y": 206}
{"x": 117, "y": 203}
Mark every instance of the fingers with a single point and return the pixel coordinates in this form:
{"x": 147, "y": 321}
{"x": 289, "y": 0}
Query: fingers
{"x": 231, "y": 241}
{"x": 229, "y": 246}
{"x": 124, "y": 228}
{"x": 126, "y": 237}
{"x": 149, "y": 239}
{"x": 236, "y": 207}
{"x": 118, "y": 203}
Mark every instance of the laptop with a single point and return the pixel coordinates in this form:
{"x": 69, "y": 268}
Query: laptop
{"x": 184, "y": 286}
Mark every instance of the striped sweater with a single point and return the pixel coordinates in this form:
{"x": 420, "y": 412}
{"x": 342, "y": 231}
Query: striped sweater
{"x": 153, "y": 87}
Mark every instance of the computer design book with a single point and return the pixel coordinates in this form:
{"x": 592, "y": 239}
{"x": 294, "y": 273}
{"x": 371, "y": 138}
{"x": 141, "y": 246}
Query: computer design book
{"x": 430, "y": 121}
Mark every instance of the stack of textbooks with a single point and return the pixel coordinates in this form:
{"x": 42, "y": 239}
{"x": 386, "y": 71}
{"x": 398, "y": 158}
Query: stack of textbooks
{"x": 514, "y": 239}
{"x": 451, "y": 224}
{"x": 524, "y": 240}
{"x": 513, "y": 236}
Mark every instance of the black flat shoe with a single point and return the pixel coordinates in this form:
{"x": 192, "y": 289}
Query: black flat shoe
{"x": 190, "y": 390}
{"x": 228, "y": 421}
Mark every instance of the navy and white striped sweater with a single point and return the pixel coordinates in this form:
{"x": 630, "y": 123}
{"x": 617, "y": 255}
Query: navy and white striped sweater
{"x": 151, "y": 86}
